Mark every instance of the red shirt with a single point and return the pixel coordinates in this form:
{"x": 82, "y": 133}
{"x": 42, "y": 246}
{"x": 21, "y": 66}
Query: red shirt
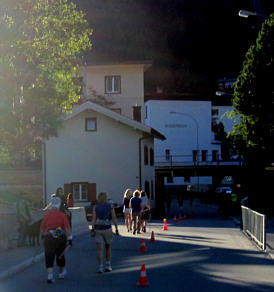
{"x": 70, "y": 203}
{"x": 54, "y": 219}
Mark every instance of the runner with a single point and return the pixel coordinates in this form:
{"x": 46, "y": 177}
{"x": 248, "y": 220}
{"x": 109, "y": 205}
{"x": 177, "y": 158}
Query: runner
{"x": 126, "y": 209}
{"x": 55, "y": 232}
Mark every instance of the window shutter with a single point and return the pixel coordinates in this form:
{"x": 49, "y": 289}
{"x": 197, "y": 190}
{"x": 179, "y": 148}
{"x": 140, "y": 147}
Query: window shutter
{"x": 92, "y": 192}
{"x": 67, "y": 189}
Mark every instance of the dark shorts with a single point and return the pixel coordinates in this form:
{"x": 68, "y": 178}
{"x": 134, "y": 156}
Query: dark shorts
{"x": 145, "y": 215}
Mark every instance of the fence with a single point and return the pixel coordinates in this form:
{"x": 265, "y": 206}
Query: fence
{"x": 254, "y": 225}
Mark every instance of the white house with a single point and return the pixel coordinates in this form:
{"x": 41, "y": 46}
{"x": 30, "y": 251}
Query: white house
{"x": 98, "y": 150}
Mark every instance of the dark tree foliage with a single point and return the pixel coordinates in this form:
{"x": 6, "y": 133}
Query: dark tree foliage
{"x": 254, "y": 95}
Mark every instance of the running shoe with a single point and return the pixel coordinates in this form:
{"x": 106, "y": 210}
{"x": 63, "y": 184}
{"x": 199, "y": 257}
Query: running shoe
{"x": 108, "y": 268}
{"x": 63, "y": 274}
{"x": 100, "y": 270}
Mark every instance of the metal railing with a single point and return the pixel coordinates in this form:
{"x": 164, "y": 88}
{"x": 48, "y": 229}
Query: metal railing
{"x": 254, "y": 225}
{"x": 188, "y": 160}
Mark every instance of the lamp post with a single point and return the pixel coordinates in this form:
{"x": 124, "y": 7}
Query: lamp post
{"x": 197, "y": 136}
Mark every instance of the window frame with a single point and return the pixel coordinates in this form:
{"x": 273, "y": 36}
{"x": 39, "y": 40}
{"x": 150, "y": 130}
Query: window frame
{"x": 86, "y": 124}
{"x": 80, "y": 191}
{"x": 204, "y": 155}
{"x": 145, "y": 155}
{"x": 151, "y": 156}
{"x": 113, "y": 91}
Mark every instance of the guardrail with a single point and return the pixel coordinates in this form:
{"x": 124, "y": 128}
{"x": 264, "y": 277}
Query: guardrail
{"x": 199, "y": 160}
{"x": 254, "y": 225}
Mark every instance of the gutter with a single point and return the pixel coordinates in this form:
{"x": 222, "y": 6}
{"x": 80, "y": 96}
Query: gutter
{"x": 44, "y": 173}
{"x": 140, "y": 161}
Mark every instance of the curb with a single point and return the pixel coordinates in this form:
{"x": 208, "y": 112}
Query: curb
{"x": 28, "y": 262}
{"x": 20, "y": 267}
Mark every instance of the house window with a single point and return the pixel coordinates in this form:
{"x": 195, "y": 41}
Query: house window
{"x": 137, "y": 115}
{"x": 214, "y": 155}
{"x": 151, "y": 157}
{"x": 80, "y": 191}
{"x": 91, "y": 124}
{"x": 195, "y": 154}
{"x": 187, "y": 178}
{"x": 152, "y": 190}
{"x": 204, "y": 155}
{"x": 167, "y": 154}
{"x": 112, "y": 84}
{"x": 145, "y": 155}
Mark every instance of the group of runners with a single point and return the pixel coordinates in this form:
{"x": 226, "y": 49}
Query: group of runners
{"x": 56, "y": 230}
{"x": 137, "y": 210}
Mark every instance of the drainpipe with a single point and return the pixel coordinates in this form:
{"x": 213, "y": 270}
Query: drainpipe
{"x": 140, "y": 161}
{"x": 44, "y": 173}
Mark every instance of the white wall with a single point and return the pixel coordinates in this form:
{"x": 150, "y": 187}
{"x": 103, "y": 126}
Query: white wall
{"x": 132, "y": 85}
{"x": 181, "y": 129}
{"x": 108, "y": 157}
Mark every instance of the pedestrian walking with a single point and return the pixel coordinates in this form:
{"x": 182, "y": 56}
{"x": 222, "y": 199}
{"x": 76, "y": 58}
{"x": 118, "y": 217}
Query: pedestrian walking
{"x": 180, "y": 211}
{"x": 70, "y": 201}
{"x": 126, "y": 209}
{"x": 135, "y": 206}
{"x": 23, "y": 217}
{"x": 102, "y": 214}
{"x": 56, "y": 234}
{"x": 145, "y": 213}
{"x": 64, "y": 207}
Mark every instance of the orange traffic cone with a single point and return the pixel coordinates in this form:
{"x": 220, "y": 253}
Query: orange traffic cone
{"x": 152, "y": 239}
{"x": 180, "y": 217}
{"x": 143, "y": 277}
{"x": 143, "y": 246}
{"x": 165, "y": 225}
{"x": 175, "y": 219}
{"x": 185, "y": 216}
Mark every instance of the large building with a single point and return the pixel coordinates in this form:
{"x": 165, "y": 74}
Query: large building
{"x": 103, "y": 147}
{"x": 187, "y": 123}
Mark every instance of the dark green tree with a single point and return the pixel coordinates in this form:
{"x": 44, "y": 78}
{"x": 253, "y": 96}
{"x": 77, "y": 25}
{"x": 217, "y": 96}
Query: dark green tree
{"x": 254, "y": 105}
{"x": 40, "y": 58}
{"x": 254, "y": 96}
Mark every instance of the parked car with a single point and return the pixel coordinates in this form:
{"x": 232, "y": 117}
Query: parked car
{"x": 227, "y": 190}
{"x": 117, "y": 207}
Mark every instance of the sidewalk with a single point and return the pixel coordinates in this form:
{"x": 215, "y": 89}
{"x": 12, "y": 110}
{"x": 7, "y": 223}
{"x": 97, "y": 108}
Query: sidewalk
{"x": 15, "y": 260}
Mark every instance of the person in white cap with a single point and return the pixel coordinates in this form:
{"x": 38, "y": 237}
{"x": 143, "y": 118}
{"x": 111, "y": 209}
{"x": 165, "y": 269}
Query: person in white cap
{"x": 56, "y": 233}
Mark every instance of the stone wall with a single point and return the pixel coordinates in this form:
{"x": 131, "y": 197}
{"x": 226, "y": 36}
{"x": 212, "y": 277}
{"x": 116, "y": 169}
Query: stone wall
{"x": 14, "y": 180}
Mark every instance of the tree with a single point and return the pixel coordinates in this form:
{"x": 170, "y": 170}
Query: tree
{"x": 40, "y": 56}
{"x": 254, "y": 96}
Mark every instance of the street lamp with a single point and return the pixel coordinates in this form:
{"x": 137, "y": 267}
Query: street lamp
{"x": 221, "y": 93}
{"x": 197, "y": 135}
{"x": 246, "y": 13}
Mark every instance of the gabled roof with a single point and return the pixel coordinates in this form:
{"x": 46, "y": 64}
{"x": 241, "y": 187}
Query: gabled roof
{"x": 115, "y": 116}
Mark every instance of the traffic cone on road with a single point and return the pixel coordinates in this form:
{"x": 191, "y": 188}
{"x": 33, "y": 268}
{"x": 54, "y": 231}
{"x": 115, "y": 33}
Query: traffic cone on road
{"x": 165, "y": 225}
{"x": 175, "y": 219}
{"x": 185, "y": 216}
{"x": 143, "y": 246}
{"x": 152, "y": 239}
{"x": 180, "y": 217}
{"x": 143, "y": 277}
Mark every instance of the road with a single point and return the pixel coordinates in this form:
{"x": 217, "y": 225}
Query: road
{"x": 202, "y": 254}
